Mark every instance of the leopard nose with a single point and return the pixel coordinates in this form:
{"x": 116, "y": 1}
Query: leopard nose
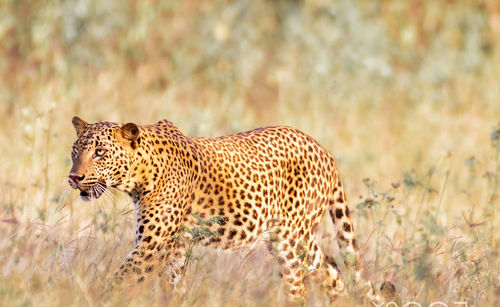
{"x": 76, "y": 178}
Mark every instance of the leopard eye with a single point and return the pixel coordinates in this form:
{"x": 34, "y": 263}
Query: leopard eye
{"x": 99, "y": 152}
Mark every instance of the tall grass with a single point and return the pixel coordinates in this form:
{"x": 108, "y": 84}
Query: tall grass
{"x": 404, "y": 93}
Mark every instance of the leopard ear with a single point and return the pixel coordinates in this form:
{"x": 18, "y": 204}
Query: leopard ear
{"x": 129, "y": 132}
{"x": 79, "y": 125}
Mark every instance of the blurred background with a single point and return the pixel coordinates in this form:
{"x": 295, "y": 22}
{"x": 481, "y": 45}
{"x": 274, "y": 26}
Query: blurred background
{"x": 405, "y": 94}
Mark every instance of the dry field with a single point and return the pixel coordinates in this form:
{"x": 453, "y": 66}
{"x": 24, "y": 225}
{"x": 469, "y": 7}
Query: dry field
{"x": 405, "y": 94}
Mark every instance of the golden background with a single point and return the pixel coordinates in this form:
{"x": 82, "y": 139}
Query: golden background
{"x": 405, "y": 94}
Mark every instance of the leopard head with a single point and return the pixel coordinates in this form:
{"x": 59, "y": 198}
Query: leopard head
{"x": 102, "y": 157}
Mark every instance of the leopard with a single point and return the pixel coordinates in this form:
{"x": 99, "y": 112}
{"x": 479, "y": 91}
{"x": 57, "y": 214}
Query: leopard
{"x": 271, "y": 184}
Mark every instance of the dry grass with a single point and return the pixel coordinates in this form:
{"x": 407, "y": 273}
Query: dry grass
{"x": 402, "y": 92}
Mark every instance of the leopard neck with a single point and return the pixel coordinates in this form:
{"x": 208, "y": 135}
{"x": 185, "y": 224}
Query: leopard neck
{"x": 165, "y": 168}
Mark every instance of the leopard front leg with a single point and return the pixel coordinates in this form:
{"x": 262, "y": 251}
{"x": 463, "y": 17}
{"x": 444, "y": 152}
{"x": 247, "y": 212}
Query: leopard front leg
{"x": 133, "y": 268}
{"x": 159, "y": 250}
{"x": 153, "y": 259}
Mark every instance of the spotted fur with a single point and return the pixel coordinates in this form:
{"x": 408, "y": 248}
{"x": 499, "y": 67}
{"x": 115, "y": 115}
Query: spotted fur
{"x": 273, "y": 183}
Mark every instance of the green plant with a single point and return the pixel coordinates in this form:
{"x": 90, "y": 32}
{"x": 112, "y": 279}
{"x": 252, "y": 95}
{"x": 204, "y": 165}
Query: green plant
{"x": 190, "y": 237}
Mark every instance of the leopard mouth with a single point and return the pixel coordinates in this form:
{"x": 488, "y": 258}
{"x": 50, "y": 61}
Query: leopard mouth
{"x": 92, "y": 192}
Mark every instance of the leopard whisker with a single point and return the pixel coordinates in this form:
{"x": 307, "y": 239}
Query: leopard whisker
{"x": 92, "y": 193}
{"x": 102, "y": 189}
{"x": 108, "y": 196}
